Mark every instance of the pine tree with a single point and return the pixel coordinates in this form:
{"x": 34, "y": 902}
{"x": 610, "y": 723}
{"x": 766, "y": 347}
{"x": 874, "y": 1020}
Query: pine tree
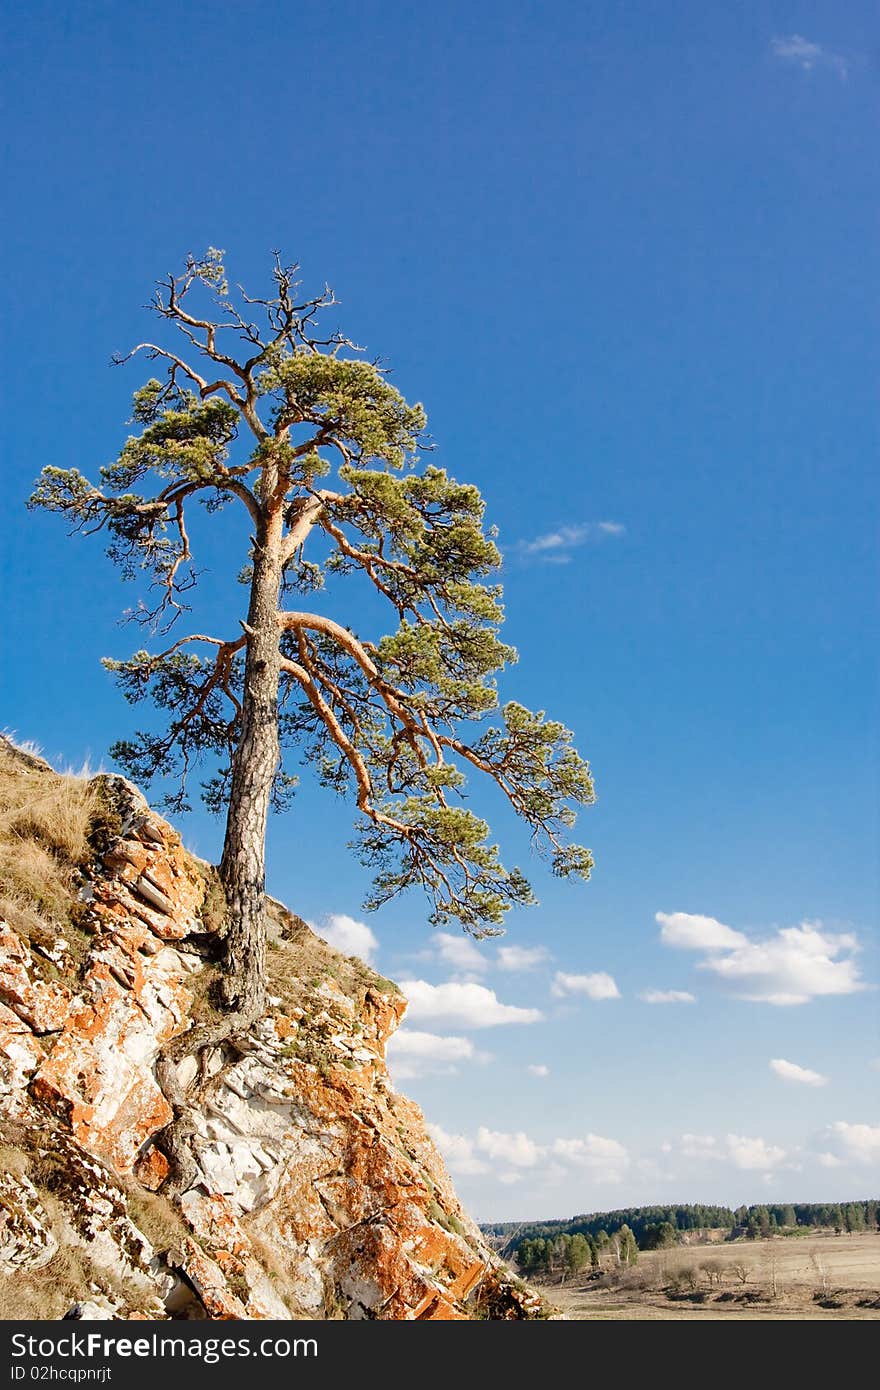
{"x": 256, "y": 409}
{"x": 854, "y": 1216}
{"x": 577, "y": 1255}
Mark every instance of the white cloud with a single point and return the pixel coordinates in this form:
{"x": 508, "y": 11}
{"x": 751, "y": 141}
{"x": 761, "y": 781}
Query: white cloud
{"x": 522, "y": 957}
{"x": 604, "y": 1160}
{"x": 651, "y": 1169}
{"x": 516, "y": 1149}
{"x": 667, "y": 996}
{"x": 458, "y": 1151}
{"x": 593, "y": 1151}
{"x": 790, "y": 1071}
{"x": 348, "y": 936}
{"x": 463, "y": 1004}
{"x": 859, "y": 1143}
{"x": 413, "y": 1053}
{"x": 793, "y": 966}
{"x": 700, "y": 1146}
{"x": 557, "y": 545}
{"x": 598, "y": 986}
{"x": 829, "y": 1160}
{"x": 510, "y": 1178}
{"x": 807, "y": 55}
{"x": 753, "y": 1153}
{"x": 739, "y": 1149}
{"x": 411, "y": 1043}
{"x": 688, "y": 931}
{"x": 538, "y": 1069}
{"x": 460, "y": 954}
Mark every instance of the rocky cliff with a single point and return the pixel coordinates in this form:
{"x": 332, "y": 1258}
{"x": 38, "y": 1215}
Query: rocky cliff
{"x": 318, "y": 1192}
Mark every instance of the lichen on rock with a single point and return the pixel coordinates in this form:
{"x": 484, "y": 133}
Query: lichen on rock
{"x": 318, "y": 1192}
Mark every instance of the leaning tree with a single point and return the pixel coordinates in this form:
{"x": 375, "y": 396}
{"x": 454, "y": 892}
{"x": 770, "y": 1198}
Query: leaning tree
{"x": 257, "y": 409}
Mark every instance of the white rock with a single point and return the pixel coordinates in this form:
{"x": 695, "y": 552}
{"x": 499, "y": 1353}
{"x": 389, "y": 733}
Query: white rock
{"x": 187, "y": 1070}
{"x": 214, "y": 1061}
{"x": 93, "y": 1310}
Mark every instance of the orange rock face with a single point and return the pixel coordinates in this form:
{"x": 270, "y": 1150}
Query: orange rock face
{"x": 152, "y": 1168}
{"x": 318, "y": 1194}
{"x": 41, "y": 1004}
{"x": 99, "y": 1073}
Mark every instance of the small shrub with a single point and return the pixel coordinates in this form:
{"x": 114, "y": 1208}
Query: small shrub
{"x": 685, "y": 1277}
{"x": 714, "y": 1271}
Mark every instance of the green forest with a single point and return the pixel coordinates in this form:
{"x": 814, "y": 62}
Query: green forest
{"x": 570, "y": 1246}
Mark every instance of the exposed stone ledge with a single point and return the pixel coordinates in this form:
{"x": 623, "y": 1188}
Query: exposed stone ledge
{"x": 319, "y": 1193}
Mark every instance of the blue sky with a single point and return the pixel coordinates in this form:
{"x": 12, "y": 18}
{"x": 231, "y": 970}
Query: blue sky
{"x": 623, "y": 253}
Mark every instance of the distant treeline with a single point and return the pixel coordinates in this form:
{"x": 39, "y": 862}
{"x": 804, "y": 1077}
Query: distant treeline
{"x": 657, "y": 1226}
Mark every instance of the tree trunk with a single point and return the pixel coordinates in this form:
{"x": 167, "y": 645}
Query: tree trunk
{"x": 254, "y": 765}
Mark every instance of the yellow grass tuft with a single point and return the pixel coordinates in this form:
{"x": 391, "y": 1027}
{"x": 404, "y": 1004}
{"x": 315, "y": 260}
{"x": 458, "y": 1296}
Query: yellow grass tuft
{"x": 45, "y": 818}
{"x": 54, "y": 809}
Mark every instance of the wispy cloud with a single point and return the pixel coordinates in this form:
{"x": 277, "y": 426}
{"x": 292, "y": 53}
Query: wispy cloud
{"x": 793, "y": 966}
{"x": 742, "y": 1150}
{"x": 604, "y": 1160}
{"x": 667, "y": 996}
{"x": 700, "y": 1146}
{"x": 522, "y": 957}
{"x": 538, "y": 1069}
{"x": 600, "y": 985}
{"x": 599, "y": 1159}
{"x": 790, "y": 1071}
{"x": 555, "y": 547}
{"x": 807, "y": 55}
{"x": 458, "y": 1150}
{"x": 461, "y": 955}
{"x": 829, "y": 1160}
{"x": 412, "y": 1053}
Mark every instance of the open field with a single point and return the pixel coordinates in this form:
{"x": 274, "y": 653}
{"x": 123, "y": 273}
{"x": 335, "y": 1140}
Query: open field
{"x": 816, "y": 1277}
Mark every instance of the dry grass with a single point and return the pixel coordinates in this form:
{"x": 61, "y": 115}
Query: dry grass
{"x": 279, "y": 1269}
{"x": 69, "y": 1277}
{"x": 153, "y": 1214}
{"x": 812, "y": 1278}
{"x": 72, "y": 1274}
{"x": 53, "y": 808}
{"x": 12, "y": 1160}
{"x": 45, "y": 820}
{"x": 298, "y": 960}
{"x": 47, "y": 1293}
